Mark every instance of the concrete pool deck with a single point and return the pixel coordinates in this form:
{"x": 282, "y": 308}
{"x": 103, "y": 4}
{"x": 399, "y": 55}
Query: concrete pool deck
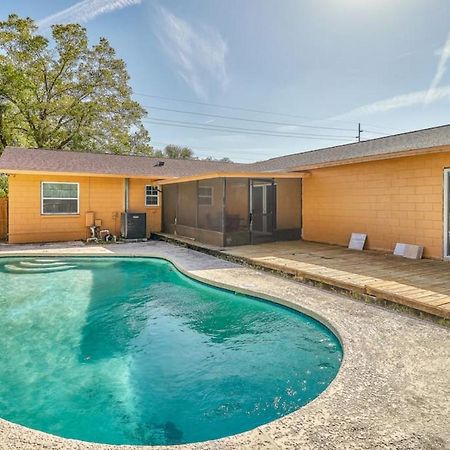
{"x": 392, "y": 390}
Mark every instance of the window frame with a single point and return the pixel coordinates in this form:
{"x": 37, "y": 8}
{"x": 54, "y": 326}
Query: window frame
{"x": 151, "y": 195}
{"x": 77, "y": 213}
{"x": 211, "y": 196}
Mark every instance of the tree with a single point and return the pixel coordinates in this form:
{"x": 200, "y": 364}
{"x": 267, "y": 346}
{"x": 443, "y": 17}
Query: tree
{"x": 3, "y": 186}
{"x": 176, "y": 152}
{"x": 225, "y": 159}
{"x": 180, "y": 152}
{"x": 66, "y": 94}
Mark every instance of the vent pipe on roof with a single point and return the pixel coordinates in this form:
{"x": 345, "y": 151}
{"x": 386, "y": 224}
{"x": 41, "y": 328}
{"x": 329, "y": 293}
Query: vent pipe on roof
{"x": 126, "y": 182}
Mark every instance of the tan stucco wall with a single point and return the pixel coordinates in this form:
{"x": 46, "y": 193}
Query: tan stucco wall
{"x": 396, "y": 200}
{"x": 102, "y": 195}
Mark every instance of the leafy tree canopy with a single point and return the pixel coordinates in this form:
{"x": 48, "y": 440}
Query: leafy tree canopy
{"x": 180, "y": 152}
{"x": 64, "y": 94}
{"x": 175, "y": 151}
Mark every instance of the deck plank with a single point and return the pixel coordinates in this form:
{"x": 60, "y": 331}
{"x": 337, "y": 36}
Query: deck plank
{"x": 423, "y": 285}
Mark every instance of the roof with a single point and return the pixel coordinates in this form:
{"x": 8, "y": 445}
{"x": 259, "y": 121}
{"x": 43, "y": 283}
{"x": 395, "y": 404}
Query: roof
{"x": 380, "y": 148}
{"x": 15, "y": 159}
{"x": 21, "y": 160}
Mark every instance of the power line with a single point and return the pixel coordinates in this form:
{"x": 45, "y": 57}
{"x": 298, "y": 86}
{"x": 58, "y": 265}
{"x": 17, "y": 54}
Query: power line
{"x": 240, "y": 130}
{"x": 244, "y": 119}
{"x": 215, "y": 105}
{"x": 272, "y": 113}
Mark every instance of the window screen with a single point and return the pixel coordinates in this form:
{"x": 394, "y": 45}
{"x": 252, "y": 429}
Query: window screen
{"x": 60, "y": 198}
{"x": 205, "y": 195}
{"x": 210, "y": 204}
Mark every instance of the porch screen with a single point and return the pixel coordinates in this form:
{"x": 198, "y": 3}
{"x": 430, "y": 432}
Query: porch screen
{"x": 210, "y": 204}
{"x": 169, "y": 207}
{"x": 187, "y": 204}
{"x": 237, "y": 211}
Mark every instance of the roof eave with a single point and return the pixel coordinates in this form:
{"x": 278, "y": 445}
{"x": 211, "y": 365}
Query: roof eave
{"x": 400, "y": 154}
{"x": 81, "y": 174}
{"x": 260, "y": 175}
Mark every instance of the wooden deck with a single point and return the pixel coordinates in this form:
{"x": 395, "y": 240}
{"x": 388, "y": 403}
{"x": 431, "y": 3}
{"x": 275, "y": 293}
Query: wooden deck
{"x": 422, "y": 285}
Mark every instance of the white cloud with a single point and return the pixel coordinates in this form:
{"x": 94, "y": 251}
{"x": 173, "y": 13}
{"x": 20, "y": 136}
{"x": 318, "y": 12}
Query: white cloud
{"x": 85, "y": 11}
{"x": 440, "y": 71}
{"x": 198, "y": 53}
{"x": 399, "y": 101}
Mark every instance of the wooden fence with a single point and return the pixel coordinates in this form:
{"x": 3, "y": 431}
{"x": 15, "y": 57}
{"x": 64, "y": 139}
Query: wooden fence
{"x": 3, "y": 219}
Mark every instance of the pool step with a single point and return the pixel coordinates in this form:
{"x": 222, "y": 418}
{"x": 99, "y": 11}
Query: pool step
{"x": 24, "y": 270}
{"x": 42, "y": 264}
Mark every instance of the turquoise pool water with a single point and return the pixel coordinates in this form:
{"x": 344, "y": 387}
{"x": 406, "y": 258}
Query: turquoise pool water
{"x": 130, "y": 351}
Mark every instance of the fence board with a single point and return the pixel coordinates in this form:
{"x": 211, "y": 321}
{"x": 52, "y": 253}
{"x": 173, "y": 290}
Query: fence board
{"x": 3, "y": 218}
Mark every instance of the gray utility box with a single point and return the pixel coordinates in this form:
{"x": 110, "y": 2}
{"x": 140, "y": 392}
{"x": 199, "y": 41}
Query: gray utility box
{"x": 133, "y": 225}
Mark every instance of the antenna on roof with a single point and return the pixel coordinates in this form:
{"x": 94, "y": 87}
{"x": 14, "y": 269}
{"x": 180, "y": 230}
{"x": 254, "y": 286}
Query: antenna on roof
{"x": 359, "y": 132}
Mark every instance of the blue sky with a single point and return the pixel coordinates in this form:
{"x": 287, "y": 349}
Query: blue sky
{"x": 284, "y": 76}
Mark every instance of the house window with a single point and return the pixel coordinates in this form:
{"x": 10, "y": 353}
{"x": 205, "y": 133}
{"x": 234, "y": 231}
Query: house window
{"x": 205, "y": 195}
{"x": 60, "y": 198}
{"x": 151, "y": 196}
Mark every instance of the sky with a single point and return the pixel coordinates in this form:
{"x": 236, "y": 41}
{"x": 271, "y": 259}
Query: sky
{"x": 254, "y": 79}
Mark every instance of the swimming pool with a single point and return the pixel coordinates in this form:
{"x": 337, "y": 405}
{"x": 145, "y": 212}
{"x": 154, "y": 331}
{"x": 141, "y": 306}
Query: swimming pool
{"x": 130, "y": 351}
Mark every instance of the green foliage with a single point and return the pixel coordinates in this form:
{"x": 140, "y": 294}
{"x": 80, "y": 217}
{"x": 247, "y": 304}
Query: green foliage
{"x": 64, "y": 93}
{"x": 180, "y": 152}
{"x": 3, "y": 186}
{"x": 176, "y": 152}
{"x": 225, "y": 159}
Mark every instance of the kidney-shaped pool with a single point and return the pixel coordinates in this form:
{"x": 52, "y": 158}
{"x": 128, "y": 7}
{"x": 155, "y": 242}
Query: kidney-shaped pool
{"x": 131, "y": 351}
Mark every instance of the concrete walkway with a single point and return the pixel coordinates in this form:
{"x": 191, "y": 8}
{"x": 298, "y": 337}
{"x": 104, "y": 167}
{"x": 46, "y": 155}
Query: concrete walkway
{"x": 392, "y": 391}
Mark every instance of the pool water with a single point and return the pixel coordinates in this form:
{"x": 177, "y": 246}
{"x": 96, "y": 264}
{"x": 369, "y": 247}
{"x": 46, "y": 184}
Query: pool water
{"x": 130, "y": 351}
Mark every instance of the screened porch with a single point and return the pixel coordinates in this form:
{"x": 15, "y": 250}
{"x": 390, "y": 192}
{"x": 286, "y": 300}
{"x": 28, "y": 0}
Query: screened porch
{"x": 228, "y": 211}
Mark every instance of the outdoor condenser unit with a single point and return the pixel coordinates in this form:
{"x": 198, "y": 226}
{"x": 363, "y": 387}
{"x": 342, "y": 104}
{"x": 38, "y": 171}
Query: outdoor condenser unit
{"x": 133, "y": 225}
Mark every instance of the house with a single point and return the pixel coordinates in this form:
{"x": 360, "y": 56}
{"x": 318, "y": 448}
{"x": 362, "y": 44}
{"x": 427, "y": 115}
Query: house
{"x": 394, "y": 189}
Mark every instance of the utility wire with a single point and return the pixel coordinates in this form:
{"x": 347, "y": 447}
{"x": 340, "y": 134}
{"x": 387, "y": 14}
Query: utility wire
{"x": 272, "y": 113}
{"x": 244, "y": 119}
{"x": 240, "y": 130}
{"x": 215, "y": 105}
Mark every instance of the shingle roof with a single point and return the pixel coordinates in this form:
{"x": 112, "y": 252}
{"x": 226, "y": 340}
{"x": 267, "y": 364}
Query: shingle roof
{"x": 385, "y": 146}
{"x": 41, "y": 160}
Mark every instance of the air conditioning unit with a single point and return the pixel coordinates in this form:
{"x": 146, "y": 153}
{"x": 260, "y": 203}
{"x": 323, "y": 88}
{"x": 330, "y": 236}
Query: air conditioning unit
{"x": 133, "y": 225}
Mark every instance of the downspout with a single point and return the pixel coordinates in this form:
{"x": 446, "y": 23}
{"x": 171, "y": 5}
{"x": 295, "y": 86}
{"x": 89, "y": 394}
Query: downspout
{"x": 126, "y": 189}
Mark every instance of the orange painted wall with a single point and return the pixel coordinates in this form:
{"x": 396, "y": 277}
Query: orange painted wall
{"x": 102, "y": 195}
{"x": 396, "y": 200}
{"x": 136, "y": 203}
